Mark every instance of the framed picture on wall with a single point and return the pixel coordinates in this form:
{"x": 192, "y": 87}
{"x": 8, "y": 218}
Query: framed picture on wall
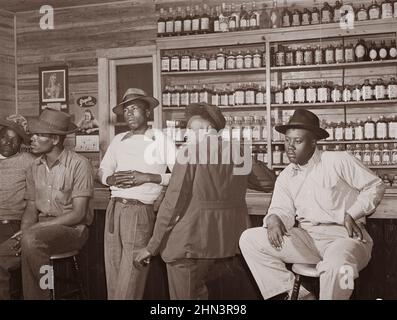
{"x": 54, "y": 88}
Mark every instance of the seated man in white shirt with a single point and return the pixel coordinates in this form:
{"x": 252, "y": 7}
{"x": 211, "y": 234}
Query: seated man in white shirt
{"x": 134, "y": 167}
{"x": 329, "y": 194}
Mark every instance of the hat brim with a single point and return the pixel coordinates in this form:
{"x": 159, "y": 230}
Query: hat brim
{"x": 36, "y": 125}
{"x": 152, "y": 103}
{"x": 319, "y": 133}
{"x": 18, "y": 130}
{"x": 213, "y": 112}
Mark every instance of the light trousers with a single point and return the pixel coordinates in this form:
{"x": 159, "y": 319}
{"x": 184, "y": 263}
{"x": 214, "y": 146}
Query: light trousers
{"x": 338, "y": 258}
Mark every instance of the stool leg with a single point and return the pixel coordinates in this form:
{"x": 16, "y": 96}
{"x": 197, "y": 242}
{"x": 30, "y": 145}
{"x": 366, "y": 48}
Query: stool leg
{"x": 295, "y": 290}
{"x": 78, "y": 277}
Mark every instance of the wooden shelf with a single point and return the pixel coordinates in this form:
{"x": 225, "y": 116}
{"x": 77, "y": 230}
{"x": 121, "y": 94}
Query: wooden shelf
{"x": 345, "y": 142}
{"x": 213, "y": 72}
{"x": 370, "y": 167}
{"x": 336, "y": 65}
{"x": 332, "y": 104}
{"x": 226, "y": 108}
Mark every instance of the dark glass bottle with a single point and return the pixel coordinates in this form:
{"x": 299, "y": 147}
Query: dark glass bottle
{"x": 286, "y": 18}
{"x": 169, "y": 23}
{"x": 326, "y": 13}
{"x": 306, "y": 17}
{"x": 362, "y": 13}
{"x": 205, "y": 20}
{"x": 315, "y": 16}
{"x": 337, "y": 11}
{"x": 187, "y": 22}
{"x": 383, "y": 51}
{"x": 178, "y": 22}
{"x": 275, "y": 17}
{"x": 296, "y": 18}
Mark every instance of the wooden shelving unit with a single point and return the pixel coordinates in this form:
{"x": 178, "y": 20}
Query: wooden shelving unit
{"x": 259, "y": 71}
{"x": 325, "y": 105}
{"x": 346, "y": 142}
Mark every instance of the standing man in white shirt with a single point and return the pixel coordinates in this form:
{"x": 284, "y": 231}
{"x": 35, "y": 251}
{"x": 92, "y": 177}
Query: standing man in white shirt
{"x": 328, "y": 194}
{"x": 134, "y": 167}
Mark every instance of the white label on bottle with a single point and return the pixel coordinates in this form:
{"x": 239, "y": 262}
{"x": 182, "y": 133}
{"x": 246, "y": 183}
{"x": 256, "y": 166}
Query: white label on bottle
{"x": 373, "y": 13}
{"x": 392, "y": 91}
{"x": 387, "y": 10}
{"x": 185, "y": 64}
{"x": 184, "y": 98}
{"x": 196, "y": 24}
{"x": 323, "y": 94}
{"x": 203, "y": 97}
{"x": 231, "y": 63}
{"x": 383, "y": 53}
{"x": 373, "y": 54}
{"x": 380, "y": 92}
{"x": 359, "y": 132}
{"x": 356, "y": 94}
{"x": 367, "y": 93}
{"x": 367, "y": 158}
{"x": 247, "y": 62}
{"x": 295, "y": 20}
{"x": 217, "y": 27}
{"x": 381, "y": 130}
{"x": 376, "y": 158}
{"x": 305, "y": 19}
{"x": 169, "y": 26}
{"x": 349, "y": 54}
{"x": 253, "y": 22}
{"x": 256, "y": 61}
{"x": 326, "y": 17}
{"x": 369, "y": 131}
{"x": 250, "y": 97}
{"x": 215, "y": 99}
{"x": 165, "y": 64}
{"x": 335, "y": 95}
{"x": 315, "y": 18}
{"x": 360, "y": 51}
{"x": 259, "y": 98}
{"x": 362, "y": 15}
{"x": 220, "y": 63}
{"x": 299, "y": 58}
{"x": 175, "y": 99}
{"x": 178, "y": 26}
{"x": 393, "y": 130}
{"x": 194, "y": 97}
{"x": 349, "y": 133}
{"x": 393, "y": 52}
{"x": 205, "y": 23}
{"x": 230, "y": 99}
{"x": 329, "y": 56}
{"x": 223, "y": 24}
{"x": 166, "y": 99}
{"x": 339, "y": 133}
{"x": 339, "y": 55}
{"x": 385, "y": 157}
{"x": 279, "y": 97}
{"x": 239, "y": 97}
{"x": 187, "y": 25}
{"x": 308, "y": 56}
{"x": 318, "y": 56}
{"x": 311, "y": 95}
{"x": 161, "y": 27}
{"x": 300, "y": 95}
{"x": 203, "y": 64}
{"x": 194, "y": 65}
{"x": 175, "y": 64}
{"x": 347, "y": 95}
{"x": 357, "y": 154}
{"x": 239, "y": 63}
{"x": 289, "y": 95}
{"x": 286, "y": 21}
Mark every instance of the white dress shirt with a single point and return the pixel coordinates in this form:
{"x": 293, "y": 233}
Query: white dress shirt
{"x": 331, "y": 184}
{"x": 151, "y": 152}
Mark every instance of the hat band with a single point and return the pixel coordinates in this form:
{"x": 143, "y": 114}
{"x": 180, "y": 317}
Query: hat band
{"x": 53, "y": 126}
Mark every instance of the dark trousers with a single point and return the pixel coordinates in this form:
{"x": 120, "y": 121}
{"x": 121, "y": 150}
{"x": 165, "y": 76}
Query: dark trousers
{"x": 8, "y": 258}
{"x": 38, "y": 245}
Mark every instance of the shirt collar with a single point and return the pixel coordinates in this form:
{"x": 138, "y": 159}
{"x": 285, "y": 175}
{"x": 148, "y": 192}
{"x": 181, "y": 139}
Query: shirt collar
{"x": 148, "y": 134}
{"x": 315, "y": 158}
{"x": 61, "y": 159}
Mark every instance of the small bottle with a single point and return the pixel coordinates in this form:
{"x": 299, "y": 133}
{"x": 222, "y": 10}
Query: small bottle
{"x": 277, "y": 156}
{"x": 306, "y": 17}
{"x": 373, "y": 52}
{"x": 366, "y": 90}
{"x": 357, "y": 152}
{"x": 360, "y": 51}
{"x": 392, "y": 128}
{"x": 296, "y": 18}
{"x": 187, "y": 22}
{"x": 256, "y": 59}
{"x": 165, "y": 63}
{"x": 383, "y": 51}
{"x": 394, "y": 154}
{"x": 357, "y": 93}
{"x": 308, "y": 56}
{"x": 392, "y": 89}
{"x": 224, "y": 19}
{"x": 381, "y": 128}
{"x": 311, "y": 93}
{"x": 248, "y": 60}
{"x": 315, "y": 16}
{"x": 300, "y": 93}
{"x": 247, "y": 128}
{"x": 330, "y": 55}
{"x": 231, "y": 61}
{"x": 169, "y": 23}
{"x": 196, "y": 20}
{"x": 374, "y": 11}
{"x": 185, "y": 62}
{"x": 204, "y": 96}
{"x": 326, "y": 13}
{"x": 224, "y": 98}
{"x": 362, "y": 13}
{"x": 175, "y": 62}
{"x": 393, "y": 49}
{"x": 184, "y": 96}
{"x": 386, "y": 156}
{"x": 376, "y": 156}
{"x": 220, "y": 60}
{"x": 279, "y": 95}
{"x": 178, "y": 22}
{"x": 239, "y": 60}
{"x": 323, "y": 93}
{"x": 336, "y": 94}
{"x": 339, "y": 54}
{"x": 318, "y": 55}
{"x": 349, "y": 131}
{"x": 359, "y": 130}
{"x": 380, "y": 90}
{"x": 337, "y": 11}
{"x": 166, "y": 97}
{"x": 194, "y": 65}
{"x": 289, "y": 57}
{"x": 161, "y": 23}
{"x": 367, "y": 155}
{"x": 215, "y": 20}
{"x": 286, "y": 18}
{"x": 347, "y": 94}
{"x": 330, "y": 128}
{"x": 299, "y": 57}
{"x": 260, "y": 97}
{"x": 339, "y": 132}
{"x": 369, "y": 129}
{"x": 203, "y": 63}
{"x": 230, "y": 97}
{"x": 349, "y": 53}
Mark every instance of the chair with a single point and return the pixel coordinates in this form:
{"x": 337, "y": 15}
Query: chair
{"x": 76, "y": 281}
{"x": 302, "y": 270}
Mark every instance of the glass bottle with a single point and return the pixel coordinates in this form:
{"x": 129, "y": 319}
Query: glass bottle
{"x": 394, "y": 154}
{"x": 286, "y": 18}
{"x": 239, "y": 60}
{"x": 196, "y": 20}
{"x": 161, "y": 23}
{"x": 367, "y": 155}
{"x": 204, "y": 96}
{"x": 336, "y": 94}
{"x": 279, "y": 95}
{"x": 288, "y": 94}
{"x": 359, "y": 130}
{"x": 176, "y": 97}
{"x": 373, "y": 51}
{"x": 360, "y": 51}
{"x": 248, "y": 60}
{"x": 194, "y": 95}
{"x": 306, "y": 17}
{"x": 185, "y": 61}
{"x": 369, "y": 129}
{"x": 289, "y": 57}
{"x": 226, "y": 132}
{"x": 337, "y": 11}
{"x": 339, "y": 54}
{"x": 212, "y": 63}
{"x": 165, "y": 63}
{"x": 220, "y": 60}
{"x": 255, "y": 17}
{"x": 349, "y": 131}
{"x": 326, "y": 13}
{"x": 376, "y": 156}
{"x": 392, "y": 128}
{"x": 357, "y": 152}
{"x": 236, "y": 130}
{"x": 347, "y": 94}
{"x": 166, "y": 97}
{"x": 318, "y": 55}
{"x": 260, "y": 97}
{"x": 280, "y": 56}
{"x": 330, "y": 55}
{"x": 223, "y": 97}
{"x": 393, "y": 49}
{"x": 215, "y": 97}
{"x": 300, "y": 93}
{"x": 234, "y": 21}
{"x": 357, "y": 93}
{"x": 205, "y": 19}
{"x": 230, "y": 98}
{"x": 339, "y": 131}
{"x": 215, "y": 20}
{"x": 244, "y": 18}
{"x": 240, "y": 95}
{"x": 247, "y": 128}
{"x": 315, "y": 16}
{"x": 184, "y": 96}
{"x": 380, "y": 90}
{"x": 311, "y": 93}
{"x": 366, "y": 90}
{"x": 250, "y": 94}
{"x": 231, "y": 61}
{"x": 277, "y": 156}
{"x": 387, "y": 9}
{"x": 178, "y": 22}
{"x": 299, "y": 57}
{"x": 169, "y": 23}
{"x": 296, "y": 18}
{"x": 256, "y": 59}
{"x": 194, "y": 63}
{"x": 383, "y": 51}
{"x": 308, "y": 56}
{"x": 349, "y": 149}
{"x": 257, "y": 129}
{"x": 349, "y": 53}
{"x": 392, "y": 89}
{"x": 175, "y": 62}
{"x": 264, "y": 129}
{"x": 331, "y": 131}
{"x": 374, "y": 11}
{"x": 187, "y": 22}
{"x": 275, "y": 16}
{"x": 362, "y": 13}
{"x": 224, "y": 19}
{"x": 203, "y": 63}
{"x": 323, "y": 93}
{"x": 381, "y": 128}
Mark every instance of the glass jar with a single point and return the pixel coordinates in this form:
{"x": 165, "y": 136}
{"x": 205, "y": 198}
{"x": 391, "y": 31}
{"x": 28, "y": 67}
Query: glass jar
{"x": 289, "y": 94}
{"x": 326, "y": 13}
{"x": 323, "y": 93}
{"x": 356, "y": 93}
{"x": 311, "y": 93}
{"x": 250, "y": 94}
{"x": 366, "y": 90}
{"x": 349, "y": 131}
{"x": 240, "y": 95}
{"x": 299, "y": 57}
{"x": 231, "y": 61}
{"x": 329, "y": 55}
{"x": 248, "y": 60}
{"x": 300, "y": 94}
{"x": 308, "y": 56}
{"x": 306, "y": 17}
{"x": 239, "y": 60}
{"x": 279, "y": 95}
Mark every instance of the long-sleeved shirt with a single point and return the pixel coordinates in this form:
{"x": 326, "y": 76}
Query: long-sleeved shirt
{"x": 322, "y": 191}
{"x": 151, "y": 152}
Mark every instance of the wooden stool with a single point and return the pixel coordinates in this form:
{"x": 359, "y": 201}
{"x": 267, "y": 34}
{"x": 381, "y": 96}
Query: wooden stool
{"x": 302, "y": 270}
{"x": 67, "y": 257}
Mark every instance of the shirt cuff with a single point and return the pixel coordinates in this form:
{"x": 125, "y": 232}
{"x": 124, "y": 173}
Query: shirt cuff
{"x": 356, "y": 211}
{"x": 165, "y": 179}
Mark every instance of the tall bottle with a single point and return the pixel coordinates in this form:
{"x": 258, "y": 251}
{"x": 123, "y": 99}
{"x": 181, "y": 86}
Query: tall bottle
{"x": 275, "y": 18}
{"x": 326, "y": 13}
{"x": 234, "y": 21}
{"x": 224, "y": 19}
{"x": 359, "y": 130}
{"x": 244, "y": 18}
{"x": 255, "y": 17}
{"x": 178, "y": 22}
{"x": 337, "y": 11}
{"x": 205, "y": 20}
{"x": 169, "y": 23}
{"x": 387, "y": 9}
{"x": 392, "y": 128}
{"x": 215, "y": 20}
{"x": 374, "y": 11}
{"x": 161, "y": 23}
{"x": 381, "y": 128}
{"x": 349, "y": 131}
{"x": 187, "y": 22}
{"x": 360, "y": 50}
{"x": 369, "y": 129}
{"x": 196, "y": 20}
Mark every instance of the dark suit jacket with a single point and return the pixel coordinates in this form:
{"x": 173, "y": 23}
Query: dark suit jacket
{"x": 204, "y": 210}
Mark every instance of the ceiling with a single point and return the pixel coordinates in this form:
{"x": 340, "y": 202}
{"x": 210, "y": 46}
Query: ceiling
{"x": 29, "y": 5}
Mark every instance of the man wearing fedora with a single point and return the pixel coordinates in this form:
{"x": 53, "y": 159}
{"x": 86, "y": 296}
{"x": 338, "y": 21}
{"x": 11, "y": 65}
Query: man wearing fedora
{"x": 316, "y": 216}
{"x": 134, "y": 166}
{"x": 59, "y": 187}
{"x": 204, "y": 210}
{"x": 14, "y": 166}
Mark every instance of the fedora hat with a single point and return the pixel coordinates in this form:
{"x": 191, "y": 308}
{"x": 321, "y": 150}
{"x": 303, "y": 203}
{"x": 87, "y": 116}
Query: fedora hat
{"x": 18, "y": 124}
{"x": 53, "y": 122}
{"x": 133, "y": 94}
{"x": 304, "y": 119}
{"x": 211, "y": 112}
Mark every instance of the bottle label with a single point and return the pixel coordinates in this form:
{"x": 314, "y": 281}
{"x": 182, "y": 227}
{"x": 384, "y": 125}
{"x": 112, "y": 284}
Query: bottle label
{"x": 387, "y": 10}
{"x": 349, "y": 133}
{"x": 160, "y": 27}
{"x": 175, "y": 64}
{"x": 248, "y": 62}
{"x": 326, "y": 16}
{"x": 311, "y": 95}
{"x": 257, "y": 61}
{"x": 305, "y": 19}
{"x": 385, "y": 157}
{"x": 383, "y": 53}
{"x": 187, "y": 25}
{"x": 223, "y": 24}
{"x": 299, "y": 58}
{"x": 203, "y": 97}
{"x": 250, "y": 97}
{"x": 347, "y": 95}
{"x": 380, "y": 92}
{"x": 215, "y": 99}
{"x": 367, "y": 93}
{"x": 165, "y": 64}
{"x": 253, "y": 22}
{"x": 315, "y": 18}
{"x": 196, "y": 24}
{"x": 184, "y": 99}
{"x": 393, "y": 130}
{"x": 376, "y": 158}
{"x": 166, "y": 99}
{"x": 220, "y": 63}
{"x": 339, "y": 55}
{"x": 239, "y": 97}
{"x": 329, "y": 56}
{"x": 392, "y": 91}
{"x": 339, "y": 134}
{"x": 178, "y": 26}
{"x": 308, "y": 57}
{"x": 300, "y": 95}
{"x": 393, "y": 53}
{"x": 296, "y": 20}
{"x": 231, "y": 63}
{"x": 336, "y": 96}
{"x": 349, "y": 55}
{"x": 224, "y": 99}
{"x": 217, "y": 26}
{"x": 259, "y": 98}
{"x": 185, "y": 64}
{"x": 205, "y": 24}
{"x": 169, "y": 26}
{"x": 318, "y": 56}
{"x": 369, "y": 131}
{"x": 360, "y": 51}
{"x": 356, "y": 95}
{"x": 381, "y": 130}
{"x": 194, "y": 97}
{"x": 230, "y": 99}
{"x": 279, "y": 59}
{"x": 373, "y": 54}
{"x": 239, "y": 63}
{"x": 362, "y": 15}
{"x": 193, "y": 65}
{"x": 359, "y": 133}
{"x": 289, "y": 95}
{"x": 323, "y": 94}
{"x": 286, "y": 21}
{"x": 373, "y": 13}
{"x": 279, "y": 97}
{"x": 244, "y": 23}
{"x": 175, "y": 99}
{"x": 289, "y": 58}
{"x": 203, "y": 64}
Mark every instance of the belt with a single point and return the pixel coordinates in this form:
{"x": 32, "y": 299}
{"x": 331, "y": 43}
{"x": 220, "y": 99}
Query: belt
{"x": 129, "y": 201}
{"x": 9, "y": 221}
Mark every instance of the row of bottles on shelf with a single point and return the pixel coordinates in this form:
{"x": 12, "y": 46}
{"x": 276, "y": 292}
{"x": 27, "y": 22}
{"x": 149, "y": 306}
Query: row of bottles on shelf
{"x": 389, "y": 180}
{"x": 361, "y": 51}
{"x": 230, "y": 17}
{"x": 383, "y": 128}
{"x": 327, "y": 91}
{"x": 221, "y": 60}
{"x": 243, "y": 94}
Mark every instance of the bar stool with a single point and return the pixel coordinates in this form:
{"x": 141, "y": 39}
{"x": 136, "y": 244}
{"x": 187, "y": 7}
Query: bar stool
{"x": 67, "y": 257}
{"x": 302, "y": 270}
